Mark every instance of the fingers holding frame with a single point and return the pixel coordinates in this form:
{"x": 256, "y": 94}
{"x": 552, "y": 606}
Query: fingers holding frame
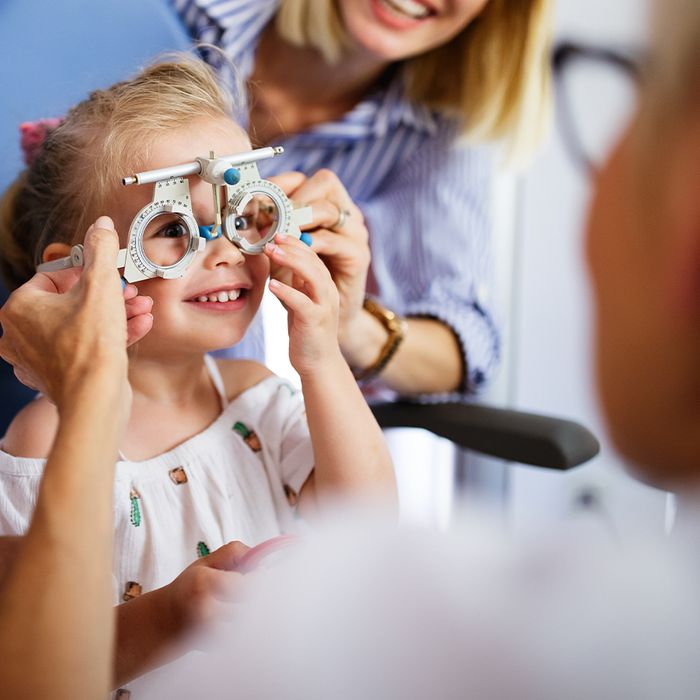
{"x": 327, "y": 197}
{"x": 292, "y": 299}
{"x": 309, "y": 276}
{"x": 101, "y": 248}
{"x": 137, "y": 327}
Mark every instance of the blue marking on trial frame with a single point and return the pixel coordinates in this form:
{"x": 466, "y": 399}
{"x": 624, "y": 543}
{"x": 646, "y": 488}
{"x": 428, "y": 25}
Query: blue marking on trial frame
{"x": 232, "y": 176}
{"x": 206, "y": 232}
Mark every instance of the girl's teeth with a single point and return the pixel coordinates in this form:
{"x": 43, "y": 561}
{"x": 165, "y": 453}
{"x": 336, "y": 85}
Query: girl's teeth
{"x": 222, "y": 296}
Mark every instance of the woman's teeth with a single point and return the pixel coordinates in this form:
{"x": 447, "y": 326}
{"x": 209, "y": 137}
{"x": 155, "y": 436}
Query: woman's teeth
{"x": 407, "y": 8}
{"x": 222, "y": 296}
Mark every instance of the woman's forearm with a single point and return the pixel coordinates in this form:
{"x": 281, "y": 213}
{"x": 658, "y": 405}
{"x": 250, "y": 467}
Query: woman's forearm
{"x": 352, "y": 459}
{"x": 429, "y": 359}
{"x": 56, "y": 600}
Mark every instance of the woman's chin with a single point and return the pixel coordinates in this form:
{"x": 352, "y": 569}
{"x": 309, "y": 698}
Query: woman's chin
{"x": 377, "y": 42}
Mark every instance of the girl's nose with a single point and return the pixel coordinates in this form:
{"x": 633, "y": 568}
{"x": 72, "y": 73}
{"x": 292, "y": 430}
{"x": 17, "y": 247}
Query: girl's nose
{"x": 219, "y": 250}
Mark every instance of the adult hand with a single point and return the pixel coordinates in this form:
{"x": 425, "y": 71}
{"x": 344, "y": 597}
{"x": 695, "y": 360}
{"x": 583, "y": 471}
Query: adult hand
{"x": 62, "y": 326}
{"x": 339, "y": 237}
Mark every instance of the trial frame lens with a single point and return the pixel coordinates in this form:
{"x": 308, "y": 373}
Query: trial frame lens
{"x": 165, "y": 239}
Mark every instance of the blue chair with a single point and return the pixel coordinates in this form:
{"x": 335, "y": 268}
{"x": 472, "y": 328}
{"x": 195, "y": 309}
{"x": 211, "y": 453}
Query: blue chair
{"x": 54, "y": 54}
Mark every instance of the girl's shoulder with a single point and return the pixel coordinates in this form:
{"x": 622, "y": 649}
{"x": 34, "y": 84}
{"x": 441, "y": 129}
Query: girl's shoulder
{"x": 32, "y": 431}
{"x": 240, "y": 375}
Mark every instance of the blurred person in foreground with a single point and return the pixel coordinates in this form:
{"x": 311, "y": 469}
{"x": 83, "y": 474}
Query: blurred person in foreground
{"x": 66, "y": 334}
{"x": 464, "y": 615}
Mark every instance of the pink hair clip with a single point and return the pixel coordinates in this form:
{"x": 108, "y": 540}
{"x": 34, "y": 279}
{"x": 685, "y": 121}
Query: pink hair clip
{"x": 33, "y": 135}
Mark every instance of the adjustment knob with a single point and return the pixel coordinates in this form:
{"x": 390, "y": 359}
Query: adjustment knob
{"x": 232, "y": 176}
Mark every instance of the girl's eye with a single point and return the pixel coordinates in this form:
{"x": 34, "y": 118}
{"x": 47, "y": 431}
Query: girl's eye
{"x": 174, "y": 230}
{"x": 243, "y": 222}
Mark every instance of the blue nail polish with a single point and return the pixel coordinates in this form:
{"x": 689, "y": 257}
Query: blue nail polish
{"x": 306, "y": 238}
{"x": 123, "y": 281}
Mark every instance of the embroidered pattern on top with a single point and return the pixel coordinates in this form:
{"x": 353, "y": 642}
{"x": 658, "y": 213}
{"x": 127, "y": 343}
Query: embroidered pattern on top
{"x": 135, "y": 516}
{"x": 178, "y": 475}
{"x": 131, "y": 590}
{"x": 249, "y": 436}
{"x": 292, "y": 495}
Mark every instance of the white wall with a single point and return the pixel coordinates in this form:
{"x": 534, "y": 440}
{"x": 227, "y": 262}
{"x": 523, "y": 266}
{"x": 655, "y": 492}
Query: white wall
{"x": 550, "y": 354}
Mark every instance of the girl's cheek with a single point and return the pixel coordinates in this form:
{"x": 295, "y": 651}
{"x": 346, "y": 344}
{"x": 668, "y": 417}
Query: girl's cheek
{"x": 145, "y": 288}
{"x": 260, "y": 268}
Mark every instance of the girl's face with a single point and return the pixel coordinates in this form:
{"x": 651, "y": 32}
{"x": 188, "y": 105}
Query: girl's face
{"x": 393, "y": 30}
{"x": 212, "y": 305}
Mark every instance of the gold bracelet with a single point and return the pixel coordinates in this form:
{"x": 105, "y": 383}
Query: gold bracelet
{"x": 395, "y": 326}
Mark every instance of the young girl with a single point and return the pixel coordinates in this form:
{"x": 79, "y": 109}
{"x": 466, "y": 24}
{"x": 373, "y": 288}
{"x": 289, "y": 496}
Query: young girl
{"x": 214, "y": 451}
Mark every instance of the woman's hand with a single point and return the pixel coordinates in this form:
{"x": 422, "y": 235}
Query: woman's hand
{"x": 311, "y": 300}
{"x": 61, "y": 326}
{"x": 339, "y": 237}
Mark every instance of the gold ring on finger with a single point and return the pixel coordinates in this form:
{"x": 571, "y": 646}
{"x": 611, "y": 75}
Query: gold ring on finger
{"x": 343, "y": 214}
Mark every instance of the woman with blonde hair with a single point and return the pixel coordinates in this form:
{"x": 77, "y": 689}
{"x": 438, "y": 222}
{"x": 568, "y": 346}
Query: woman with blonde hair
{"x": 468, "y": 614}
{"x": 397, "y": 97}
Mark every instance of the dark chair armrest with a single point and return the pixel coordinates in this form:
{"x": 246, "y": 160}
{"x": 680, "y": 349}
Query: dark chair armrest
{"x": 514, "y": 436}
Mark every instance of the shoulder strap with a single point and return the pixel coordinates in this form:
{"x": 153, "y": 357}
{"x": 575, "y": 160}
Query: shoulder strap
{"x": 216, "y": 379}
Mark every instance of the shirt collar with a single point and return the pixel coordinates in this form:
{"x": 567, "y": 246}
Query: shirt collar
{"x": 380, "y": 112}
{"x": 396, "y": 108}
{"x": 234, "y": 25}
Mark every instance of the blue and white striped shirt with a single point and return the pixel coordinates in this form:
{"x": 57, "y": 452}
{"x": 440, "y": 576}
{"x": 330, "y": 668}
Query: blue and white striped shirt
{"x": 424, "y": 196}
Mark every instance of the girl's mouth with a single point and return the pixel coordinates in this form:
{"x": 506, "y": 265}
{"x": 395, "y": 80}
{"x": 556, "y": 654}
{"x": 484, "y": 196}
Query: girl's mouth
{"x": 220, "y": 300}
{"x": 220, "y": 297}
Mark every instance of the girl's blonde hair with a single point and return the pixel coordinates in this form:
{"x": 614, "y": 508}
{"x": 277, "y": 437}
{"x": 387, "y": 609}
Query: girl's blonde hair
{"x": 81, "y": 162}
{"x": 494, "y": 76}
